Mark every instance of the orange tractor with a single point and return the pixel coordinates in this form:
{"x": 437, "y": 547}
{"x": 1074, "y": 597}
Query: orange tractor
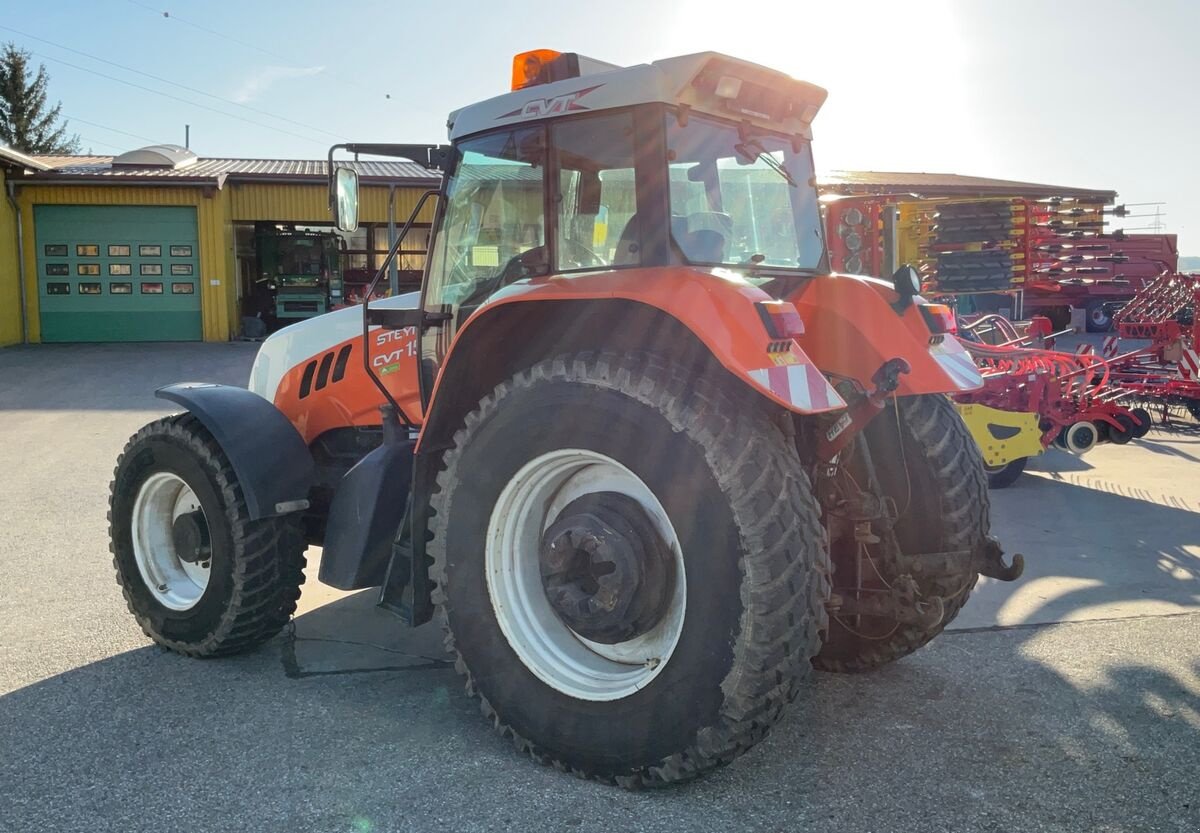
{"x": 645, "y": 457}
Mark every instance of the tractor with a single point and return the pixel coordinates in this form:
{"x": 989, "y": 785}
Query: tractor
{"x": 642, "y": 454}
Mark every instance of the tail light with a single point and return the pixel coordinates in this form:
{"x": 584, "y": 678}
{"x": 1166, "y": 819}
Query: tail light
{"x": 939, "y": 318}
{"x": 780, "y": 319}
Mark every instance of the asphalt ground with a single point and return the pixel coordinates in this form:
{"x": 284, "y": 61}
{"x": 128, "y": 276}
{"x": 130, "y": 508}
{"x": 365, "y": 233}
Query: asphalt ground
{"x": 1068, "y": 701}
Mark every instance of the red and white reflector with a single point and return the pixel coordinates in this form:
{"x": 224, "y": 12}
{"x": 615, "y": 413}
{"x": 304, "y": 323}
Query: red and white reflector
{"x": 1189, "y": 364}
{"x": 802, "y": 385}
{"x": 957, "y": 363}
{"x": 1084, "y": 350}
{"x": 1112, "y": 344}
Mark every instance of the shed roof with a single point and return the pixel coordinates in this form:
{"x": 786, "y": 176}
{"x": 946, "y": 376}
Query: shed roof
{"x": 216, "y": 171}
{"x": 15, "y": 157}
{"x": 948, "y": 185}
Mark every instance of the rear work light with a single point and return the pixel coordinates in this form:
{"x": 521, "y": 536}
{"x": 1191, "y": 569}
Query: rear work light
{"x": 939, "y": 318}
{"x": 780, "y": 319}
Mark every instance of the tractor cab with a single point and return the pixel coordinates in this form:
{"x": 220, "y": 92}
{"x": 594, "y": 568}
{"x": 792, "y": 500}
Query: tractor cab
{"x": 701, "y": 162}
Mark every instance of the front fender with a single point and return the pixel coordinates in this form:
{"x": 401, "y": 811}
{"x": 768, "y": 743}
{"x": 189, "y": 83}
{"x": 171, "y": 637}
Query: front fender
{"x": 851, "y": 329}
{"x": 717, "y": 307}
{"x": 273, "y": 465}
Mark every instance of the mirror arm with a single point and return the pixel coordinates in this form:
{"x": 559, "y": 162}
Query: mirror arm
{"x": 366, "y": 306}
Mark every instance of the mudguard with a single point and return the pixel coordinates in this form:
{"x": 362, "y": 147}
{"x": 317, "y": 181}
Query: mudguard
{"x": 852, "y": 327}
{"x": 273, "y": 465}
{"x": 718, "y": 306}
{"x": 364, "y": 517}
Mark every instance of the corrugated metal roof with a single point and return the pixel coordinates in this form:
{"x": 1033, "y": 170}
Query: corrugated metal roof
{"x": 215, "y": 169}
{"x": 946, "y": 185}
{"x": 7, "y": 154}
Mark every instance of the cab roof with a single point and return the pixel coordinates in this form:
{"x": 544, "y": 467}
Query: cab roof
{"x": 708, "y": 82}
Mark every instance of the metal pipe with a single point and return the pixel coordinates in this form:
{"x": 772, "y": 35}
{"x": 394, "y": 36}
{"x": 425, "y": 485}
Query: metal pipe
{"x": 393, "y": 271}
{"x": 12, "y": 198}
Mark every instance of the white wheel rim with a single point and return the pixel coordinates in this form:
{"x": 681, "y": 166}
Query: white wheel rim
{"x": 553, "y": 652}
{"x": 176, "y": 584}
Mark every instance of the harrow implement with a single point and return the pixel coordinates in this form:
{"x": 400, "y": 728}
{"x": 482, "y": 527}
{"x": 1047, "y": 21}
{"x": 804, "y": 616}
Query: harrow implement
{"x": 1034, "y": 397}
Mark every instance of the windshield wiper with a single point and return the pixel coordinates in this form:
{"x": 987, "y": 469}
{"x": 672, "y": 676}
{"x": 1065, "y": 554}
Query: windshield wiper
{"x": 754, "y": 151}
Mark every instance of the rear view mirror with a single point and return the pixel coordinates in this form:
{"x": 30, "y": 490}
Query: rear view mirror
{"x": 343, "y": 198}
{"x": 589, "y": 192}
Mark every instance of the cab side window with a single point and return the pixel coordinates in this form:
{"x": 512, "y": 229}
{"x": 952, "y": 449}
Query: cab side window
{"x": 597, "y": 202}
{"x": 494, "y": 227}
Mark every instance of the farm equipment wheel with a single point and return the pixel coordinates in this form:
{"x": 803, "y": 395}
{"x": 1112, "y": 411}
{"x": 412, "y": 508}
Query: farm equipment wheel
{"x": 1006, "y": 474}
{"x": 1125, "y": 433}
{"x": 1081, "y": 437}
{"x": 1144, "y": 422}
{"x": 631, "y": 569}
{"x": 929, "y": 465}
{"x": 1098, "y": 318}
{"x": 1060, "y": 317}
{"x": 199, "y": 576}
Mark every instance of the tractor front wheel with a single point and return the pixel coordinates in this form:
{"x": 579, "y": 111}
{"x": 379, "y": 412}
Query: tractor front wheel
{"x": 630, "y": 567}
{"x": 199, "y": 576}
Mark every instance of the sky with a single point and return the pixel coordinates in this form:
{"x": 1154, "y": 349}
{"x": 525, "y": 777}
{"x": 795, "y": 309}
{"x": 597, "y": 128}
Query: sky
{"x": 1095, "y": 94}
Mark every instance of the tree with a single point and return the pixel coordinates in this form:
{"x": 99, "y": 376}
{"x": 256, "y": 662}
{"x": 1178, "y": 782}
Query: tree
{"x": 25, "y": 123}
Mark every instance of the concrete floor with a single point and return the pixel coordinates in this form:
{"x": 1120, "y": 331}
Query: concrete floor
{"x": 1067, "y": 701}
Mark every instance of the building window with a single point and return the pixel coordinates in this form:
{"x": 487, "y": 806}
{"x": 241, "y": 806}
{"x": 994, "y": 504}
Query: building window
{"x": 120, "y": 269}
{"x": 58, "y": 289}
{"x": 181, "y": 251}
{"x": 150, "y": 269}
{"x": 118, "y": 250}
{"x": 181, "y": 269}
{"x": 89, "y": 269}
{"x": 149, "y": 251}
{"x": 57, "y": 269}
{"x": 152, "y": 289}
{"x": 120, "y": 288}
{"x": 90, "y": 289}
{"x": 87, "y": 250}
{"x": 55, "y": 249}
{"x": 182, "y": 289}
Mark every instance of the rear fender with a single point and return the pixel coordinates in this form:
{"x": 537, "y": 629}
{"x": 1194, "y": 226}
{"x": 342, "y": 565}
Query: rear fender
{"x": 851, "y": 328}
{"x": 715, "y": 310}
{"x": 273, "y": 465}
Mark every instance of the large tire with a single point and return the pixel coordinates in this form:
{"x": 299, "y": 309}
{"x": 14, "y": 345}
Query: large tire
{"x": 1003, "y": 476}
{"x": 943, "y": 504}
{"x": 752, "y": 551}
{"x": 1098, "y": 318}
{"x": 256, "y": 567}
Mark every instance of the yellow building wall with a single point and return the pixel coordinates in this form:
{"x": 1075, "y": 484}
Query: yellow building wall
{"x": 216, "y": 213}
{"x": 218, "y": 289}
{"x": 10, "y": 273}
{"x": 310, "y": 203}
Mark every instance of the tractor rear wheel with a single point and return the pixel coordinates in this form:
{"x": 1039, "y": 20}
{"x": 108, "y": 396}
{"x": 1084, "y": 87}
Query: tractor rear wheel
{"x": 929, "y": 465}
{"x": 199, "y": 576}
{"x": 630, "y": 567}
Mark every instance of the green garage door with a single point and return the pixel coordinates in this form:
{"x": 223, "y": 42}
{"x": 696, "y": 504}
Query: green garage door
{"x": 118, "y": 273}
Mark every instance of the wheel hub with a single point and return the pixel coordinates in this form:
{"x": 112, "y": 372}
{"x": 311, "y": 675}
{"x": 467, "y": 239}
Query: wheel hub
{"x": 606, "y": 570}
{"x": 189, "y": 533}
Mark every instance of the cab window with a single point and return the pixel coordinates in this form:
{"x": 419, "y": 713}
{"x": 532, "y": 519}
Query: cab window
{"x": 493, "y": 230}
{"x": 596, "y": 196}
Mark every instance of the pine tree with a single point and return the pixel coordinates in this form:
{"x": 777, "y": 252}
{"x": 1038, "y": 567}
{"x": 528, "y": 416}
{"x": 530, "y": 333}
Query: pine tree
{"x": 25, "y": 123}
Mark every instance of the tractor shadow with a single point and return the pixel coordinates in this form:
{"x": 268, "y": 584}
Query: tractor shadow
{"x": 1089, "y": 554}
{"x": 1017, "y": 725}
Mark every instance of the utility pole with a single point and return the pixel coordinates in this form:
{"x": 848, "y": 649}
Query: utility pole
{"x": 187, "y": 136}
